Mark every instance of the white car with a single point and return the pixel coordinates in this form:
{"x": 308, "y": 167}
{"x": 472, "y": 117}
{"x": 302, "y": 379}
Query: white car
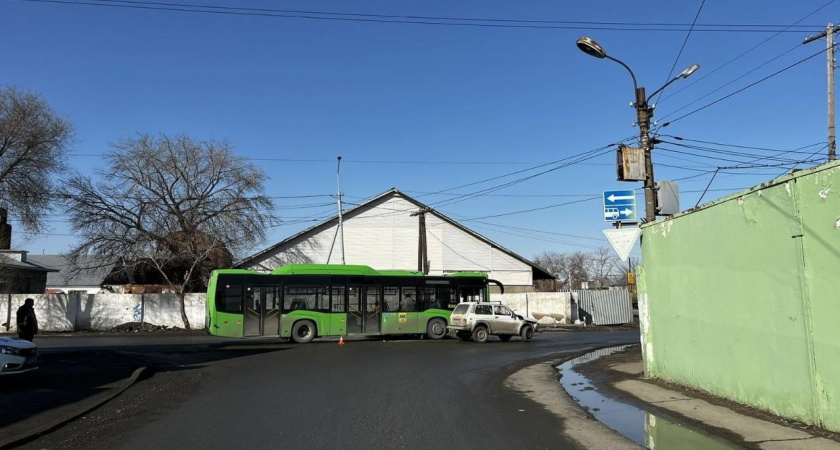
{"x": 17, "y": 356}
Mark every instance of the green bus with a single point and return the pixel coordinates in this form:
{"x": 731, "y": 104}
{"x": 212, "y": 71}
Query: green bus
{"x": 305, "y": 301}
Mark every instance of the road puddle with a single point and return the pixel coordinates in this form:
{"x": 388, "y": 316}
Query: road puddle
{"x": 640, "y": 426}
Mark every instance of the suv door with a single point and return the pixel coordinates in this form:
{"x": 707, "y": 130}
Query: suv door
{"x": 458, "y": 318}
{"x": 503, "y": 320}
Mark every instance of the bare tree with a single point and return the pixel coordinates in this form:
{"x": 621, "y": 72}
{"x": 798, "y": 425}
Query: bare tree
{"x": 177, "y": 205}
{"x": 601, "y": 266}
{"x": 570, "y": 268}
{"x": 33, "y": 146}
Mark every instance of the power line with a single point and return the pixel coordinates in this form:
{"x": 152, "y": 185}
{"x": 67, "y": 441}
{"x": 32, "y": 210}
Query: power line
{"x": 533, "y": 209}
{"x": 741, "y": 146}
{"x": 671, "y": 72}
{"x": 674, "y": 92}
{"x": 746, "y": 87}
{"x": 567, "y": 162}
{"x": 418, "y": 20}
{"x": 360, "y": 161}
{"x": 734, "y": 153}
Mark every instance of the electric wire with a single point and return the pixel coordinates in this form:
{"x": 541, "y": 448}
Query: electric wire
{"x": 706, "y": 74}
{"x": 415, "y": 20}
{"x": 685, "y": 41}
{"x": 778, "y": 72}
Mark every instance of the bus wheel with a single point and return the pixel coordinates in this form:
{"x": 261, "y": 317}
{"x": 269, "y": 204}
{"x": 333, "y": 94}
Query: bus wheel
{"x": 480, "y": 334}
{"x": 436, "y": 329}
{"x": 527, "y": 333}
{"x": 303, "y": 331}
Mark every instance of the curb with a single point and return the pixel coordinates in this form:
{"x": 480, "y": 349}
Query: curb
{"x": 35, "y": 432}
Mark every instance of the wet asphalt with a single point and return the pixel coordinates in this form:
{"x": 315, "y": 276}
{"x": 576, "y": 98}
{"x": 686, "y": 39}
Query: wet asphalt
{"x": 267, "y": 394}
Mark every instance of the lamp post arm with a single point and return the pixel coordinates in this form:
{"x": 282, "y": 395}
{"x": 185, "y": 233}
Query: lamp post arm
{"x": 663, "y": 87}
{"x": 635, "y": 85}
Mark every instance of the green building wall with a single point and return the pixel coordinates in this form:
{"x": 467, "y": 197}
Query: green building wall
{"x": 741, "y": 297}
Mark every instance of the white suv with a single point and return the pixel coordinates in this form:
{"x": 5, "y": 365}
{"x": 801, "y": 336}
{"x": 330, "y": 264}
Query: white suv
{"x": 477, "y": 321}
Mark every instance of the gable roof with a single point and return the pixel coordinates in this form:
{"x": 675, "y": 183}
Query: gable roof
{"x": 26, "y": 264}
{"x": 62, "y": 275}
{"x": 538, "y": 272}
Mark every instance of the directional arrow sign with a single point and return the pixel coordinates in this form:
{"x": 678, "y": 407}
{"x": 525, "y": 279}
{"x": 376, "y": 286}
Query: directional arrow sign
{"x": 623, "y": 240}
{"x": 614, "y": 197}
{"x": 620, "y": 206}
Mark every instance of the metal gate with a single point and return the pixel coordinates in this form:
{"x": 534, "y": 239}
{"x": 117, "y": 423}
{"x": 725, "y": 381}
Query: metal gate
{"x": 604, "y": 307}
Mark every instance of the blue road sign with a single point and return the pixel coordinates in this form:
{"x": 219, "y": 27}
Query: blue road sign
{"x": 620, "y": 206}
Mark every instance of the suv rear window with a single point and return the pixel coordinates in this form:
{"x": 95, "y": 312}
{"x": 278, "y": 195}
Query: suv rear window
{"x": 483, "y": 310}
{"x": 461, "y": 309}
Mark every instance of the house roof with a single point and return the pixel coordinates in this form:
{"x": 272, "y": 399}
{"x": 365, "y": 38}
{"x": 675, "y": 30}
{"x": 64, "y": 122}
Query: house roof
{"x": 538, "y": 272}
{"x": 28, "y": 264}
{"x": 63, "y": 274}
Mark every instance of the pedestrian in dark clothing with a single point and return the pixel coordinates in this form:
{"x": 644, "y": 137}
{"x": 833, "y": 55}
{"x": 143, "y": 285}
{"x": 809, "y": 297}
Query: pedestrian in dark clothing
{"x": 27, "y": 324}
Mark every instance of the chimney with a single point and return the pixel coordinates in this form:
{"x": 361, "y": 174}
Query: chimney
{"x": 5, "y": 230}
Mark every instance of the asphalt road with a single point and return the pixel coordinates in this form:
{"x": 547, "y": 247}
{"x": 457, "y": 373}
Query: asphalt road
{"x": 366, "y": 394}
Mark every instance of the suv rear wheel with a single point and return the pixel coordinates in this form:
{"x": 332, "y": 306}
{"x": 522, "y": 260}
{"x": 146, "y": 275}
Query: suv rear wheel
{"x": 480, "y": 334}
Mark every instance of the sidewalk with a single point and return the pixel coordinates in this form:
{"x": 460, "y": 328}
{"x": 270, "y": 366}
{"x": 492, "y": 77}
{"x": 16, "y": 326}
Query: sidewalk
{"x": 620, "y": 376}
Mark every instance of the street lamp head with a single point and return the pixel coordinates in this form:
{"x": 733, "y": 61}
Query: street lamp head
{"x": 591, "y": 48}
{"x": 687, "y": 72}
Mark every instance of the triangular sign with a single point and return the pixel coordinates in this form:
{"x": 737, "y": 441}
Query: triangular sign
{"x": 623, "y": 240}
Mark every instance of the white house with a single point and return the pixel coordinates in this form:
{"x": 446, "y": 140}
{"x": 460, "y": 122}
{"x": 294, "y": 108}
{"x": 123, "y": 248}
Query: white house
{"x": 384, "y": 233}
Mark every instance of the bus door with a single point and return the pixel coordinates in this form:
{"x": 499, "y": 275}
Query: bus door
{"x": 262, "y": 311}
{"x": 363, "y": 311}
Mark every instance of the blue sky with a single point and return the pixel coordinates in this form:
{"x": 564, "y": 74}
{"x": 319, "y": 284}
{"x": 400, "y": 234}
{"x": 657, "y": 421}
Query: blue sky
{"x": 426, "y": 108}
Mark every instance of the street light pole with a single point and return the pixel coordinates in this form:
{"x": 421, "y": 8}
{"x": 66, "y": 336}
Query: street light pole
{"x": 643, "y": 116}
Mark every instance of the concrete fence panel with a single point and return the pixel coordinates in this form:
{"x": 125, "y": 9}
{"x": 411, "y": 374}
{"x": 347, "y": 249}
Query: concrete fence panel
{"x": 549, "y": 308}
{"x": 68, "y": 312}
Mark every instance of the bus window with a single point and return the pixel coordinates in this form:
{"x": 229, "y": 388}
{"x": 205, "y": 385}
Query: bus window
{"x": 392, "y": 299}
{"x": 229, "y": 298}
{"x": 408, "y": 302}
{"x": 446, "y": 298}
{"x": 305, "y": 297}
{"x": 472, "y": 294}
{"x": 337, "y": 298}
{"x": 428, "y": 299}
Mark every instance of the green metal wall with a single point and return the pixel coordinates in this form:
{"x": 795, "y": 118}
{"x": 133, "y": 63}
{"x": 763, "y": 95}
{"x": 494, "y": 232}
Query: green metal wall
{"x": 739, "y": 297}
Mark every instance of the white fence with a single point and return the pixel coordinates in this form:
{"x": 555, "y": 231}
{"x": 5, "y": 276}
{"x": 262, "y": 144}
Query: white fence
{"x": 71, "y": 312}
{"x": 549, "y": 308}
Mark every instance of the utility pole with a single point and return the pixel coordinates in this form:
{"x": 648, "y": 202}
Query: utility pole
{"x": 643, "y": 115}
{"x": 422, "y": 246}
{"x": 340, "y": 228}
{"x": 829, "y": 40}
